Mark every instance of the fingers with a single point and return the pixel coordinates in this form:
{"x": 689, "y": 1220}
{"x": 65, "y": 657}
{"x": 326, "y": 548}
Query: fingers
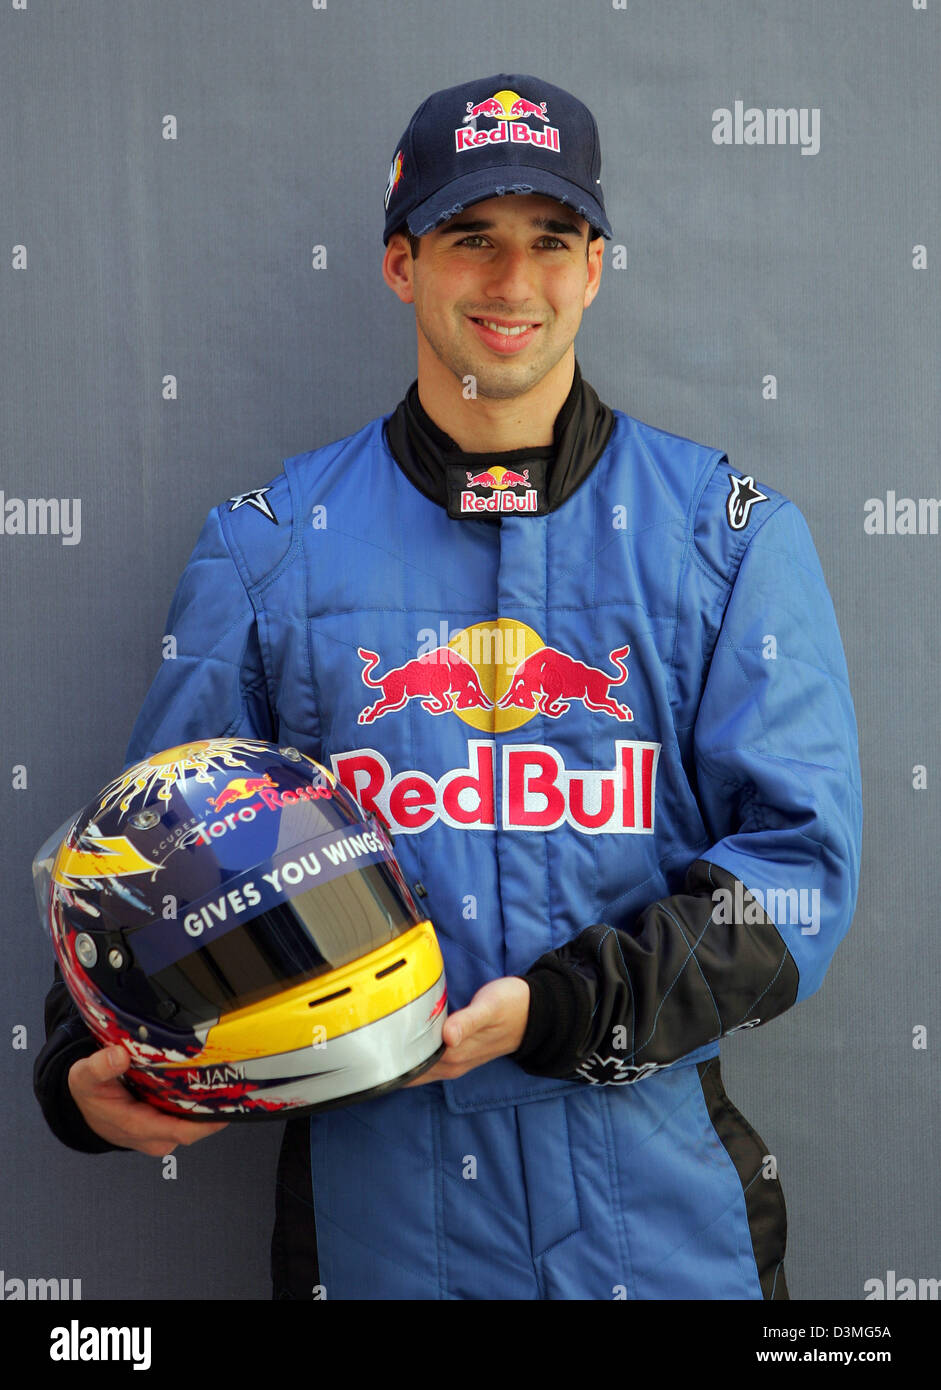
{"x": 480, "y": 1013}
{"x": 112, "y": 1112}
{"x": 491, "y": 1025}
{"x": 184, "y": 1132}
{"x": 453, "y": 1031}
{"x": 106, "y": 1064}
{"x": 496, "y": 1004}
{"x": 158, "y": 1134}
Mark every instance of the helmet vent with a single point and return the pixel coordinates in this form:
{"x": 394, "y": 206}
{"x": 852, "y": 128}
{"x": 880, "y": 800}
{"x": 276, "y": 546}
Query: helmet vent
{"x": 389, "y": 968}
{"x": 325, "y": 998}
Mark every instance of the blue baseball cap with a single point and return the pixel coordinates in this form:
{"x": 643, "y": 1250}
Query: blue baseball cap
{"x": 505, "y": 134}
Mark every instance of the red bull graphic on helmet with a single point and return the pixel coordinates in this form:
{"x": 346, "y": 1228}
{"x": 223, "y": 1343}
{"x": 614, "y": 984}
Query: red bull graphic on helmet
{"x": 511, "y": 112}
{"x": 245, "y": 789}
{"x": 498, "y": 481}
{"x": 239, "y": 789}
{"x": 96, "y": 858}
{"x": 157, "y": 774}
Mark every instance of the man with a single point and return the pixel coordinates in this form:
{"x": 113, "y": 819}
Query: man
{"x": 634, "y": 813}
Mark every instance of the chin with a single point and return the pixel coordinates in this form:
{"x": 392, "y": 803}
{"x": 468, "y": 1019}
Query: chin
{"x": 499, "y": 380}
{"x": 506, "y": 385}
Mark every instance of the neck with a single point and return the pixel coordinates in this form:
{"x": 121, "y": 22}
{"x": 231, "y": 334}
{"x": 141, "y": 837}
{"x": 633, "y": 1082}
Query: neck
{"x": 490, "y": 424}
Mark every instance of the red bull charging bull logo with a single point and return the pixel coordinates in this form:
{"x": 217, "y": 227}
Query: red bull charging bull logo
{"x": 498, "y": 482}
{"x": 239, "y": 789}
{"x": 496, "y": 677}
{"x": 549, "y": 680}
{"x": 492, "y": 668}
{"x": 511, "y": 112}
{"x": 442, "y": 680}
{"x": 250, "y": 795}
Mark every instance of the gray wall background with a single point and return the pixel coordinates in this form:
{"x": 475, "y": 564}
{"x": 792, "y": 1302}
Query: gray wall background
{"x": 192, "y": 256}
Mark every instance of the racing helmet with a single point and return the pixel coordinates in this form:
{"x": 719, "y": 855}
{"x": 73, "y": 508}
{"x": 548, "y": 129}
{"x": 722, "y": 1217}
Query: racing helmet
{"x": 227, "y": 912}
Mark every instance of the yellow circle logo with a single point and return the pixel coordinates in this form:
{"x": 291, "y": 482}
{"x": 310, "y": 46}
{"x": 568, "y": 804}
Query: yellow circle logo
{"x": 495, "y": 650}
{"x": 507, "y": 100}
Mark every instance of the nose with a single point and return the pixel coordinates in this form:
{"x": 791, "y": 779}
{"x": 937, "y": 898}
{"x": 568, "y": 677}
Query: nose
{"x": 511, "y": 276}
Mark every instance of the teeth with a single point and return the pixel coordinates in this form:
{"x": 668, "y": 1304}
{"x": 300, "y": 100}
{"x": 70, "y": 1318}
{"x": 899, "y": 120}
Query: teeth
{"x": 507, "y": 332}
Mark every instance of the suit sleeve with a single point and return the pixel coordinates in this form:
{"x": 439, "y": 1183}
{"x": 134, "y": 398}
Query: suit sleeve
{"x": 211, "y": 683}
{"x": 765, "y": 906}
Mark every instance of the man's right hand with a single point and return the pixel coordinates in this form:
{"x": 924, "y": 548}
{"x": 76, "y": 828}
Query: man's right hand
{"x": 113, "y": 1113}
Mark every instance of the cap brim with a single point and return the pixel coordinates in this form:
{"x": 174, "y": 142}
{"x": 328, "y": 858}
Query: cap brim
{"x": 490, "y": 183}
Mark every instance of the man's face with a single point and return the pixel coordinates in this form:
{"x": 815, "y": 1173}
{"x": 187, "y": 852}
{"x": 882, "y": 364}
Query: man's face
{"x": 507, "y": 263}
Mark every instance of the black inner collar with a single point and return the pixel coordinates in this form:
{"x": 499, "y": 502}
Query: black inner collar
{"x": 433, "y": 463}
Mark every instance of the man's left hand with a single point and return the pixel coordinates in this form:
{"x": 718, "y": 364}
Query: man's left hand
{"x": 492, "y": 1025}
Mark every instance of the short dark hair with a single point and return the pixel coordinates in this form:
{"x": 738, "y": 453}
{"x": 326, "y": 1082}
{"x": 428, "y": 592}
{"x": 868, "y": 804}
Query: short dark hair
{"x": 415, "y": 241}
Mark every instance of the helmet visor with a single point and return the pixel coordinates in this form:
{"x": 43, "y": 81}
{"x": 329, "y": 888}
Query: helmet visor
{"x": 329, "y": 925}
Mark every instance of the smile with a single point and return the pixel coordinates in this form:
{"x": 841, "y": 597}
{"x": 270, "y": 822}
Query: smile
{"x": 503, "y": 328}
{"x": 505, "y": 338}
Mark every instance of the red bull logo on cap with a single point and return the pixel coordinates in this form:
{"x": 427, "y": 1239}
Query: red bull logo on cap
{"x": 511, "y": 112}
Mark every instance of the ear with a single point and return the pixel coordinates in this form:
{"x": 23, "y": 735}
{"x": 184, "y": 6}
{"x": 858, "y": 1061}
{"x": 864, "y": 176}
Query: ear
{"x": 595, "y": 255}
{"x": 398, "y": 267}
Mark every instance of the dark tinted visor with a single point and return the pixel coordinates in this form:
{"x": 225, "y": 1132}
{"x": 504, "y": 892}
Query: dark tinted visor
{"x": 329, "y": 925}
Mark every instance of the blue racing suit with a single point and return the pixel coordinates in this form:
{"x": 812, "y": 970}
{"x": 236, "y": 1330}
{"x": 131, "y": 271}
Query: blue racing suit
{"x": 630, "y": 776}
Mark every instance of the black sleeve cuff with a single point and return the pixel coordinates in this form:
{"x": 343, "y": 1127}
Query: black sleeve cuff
{"x": 642, "y": 995}
{"x": 559, "y": 1017}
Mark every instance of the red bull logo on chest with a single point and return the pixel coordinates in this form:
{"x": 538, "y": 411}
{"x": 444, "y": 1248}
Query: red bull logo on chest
{"x": 538, "y": 792}
{"x": 511, "y": 112}
{"x": 496, "y": 677}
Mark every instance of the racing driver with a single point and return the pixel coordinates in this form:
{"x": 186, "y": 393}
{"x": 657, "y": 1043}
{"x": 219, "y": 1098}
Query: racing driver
{"x": 589, "y": 674}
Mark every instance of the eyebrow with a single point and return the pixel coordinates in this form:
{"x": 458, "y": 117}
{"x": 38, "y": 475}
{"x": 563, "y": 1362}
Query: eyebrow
{"x": 544, "y": 224}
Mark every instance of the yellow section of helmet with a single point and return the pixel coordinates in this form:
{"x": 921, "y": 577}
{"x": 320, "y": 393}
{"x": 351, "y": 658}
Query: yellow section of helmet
{"x": 317, "y": 1010}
